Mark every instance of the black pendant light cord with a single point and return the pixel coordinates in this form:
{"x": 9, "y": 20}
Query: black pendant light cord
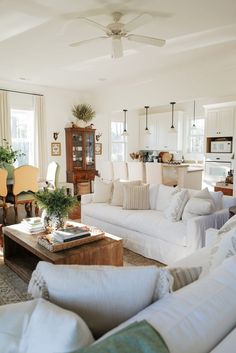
{"x": 146, "y": 107}
{"x": 125, "y": 110}
{"x": 172, "y": 118}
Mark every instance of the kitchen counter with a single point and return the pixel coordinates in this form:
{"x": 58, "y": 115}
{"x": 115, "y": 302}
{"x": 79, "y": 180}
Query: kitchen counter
{"x": 187, "y": 176}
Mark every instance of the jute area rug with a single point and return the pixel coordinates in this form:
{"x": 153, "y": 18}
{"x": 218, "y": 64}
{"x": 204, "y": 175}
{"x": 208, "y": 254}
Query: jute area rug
{"x": 13, "y": 289}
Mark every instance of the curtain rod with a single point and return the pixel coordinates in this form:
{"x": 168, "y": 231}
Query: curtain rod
{"x": 32, "y": 94}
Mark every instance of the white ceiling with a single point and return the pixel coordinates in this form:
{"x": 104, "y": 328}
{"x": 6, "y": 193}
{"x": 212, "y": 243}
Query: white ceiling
{"x": 35, "y": 37}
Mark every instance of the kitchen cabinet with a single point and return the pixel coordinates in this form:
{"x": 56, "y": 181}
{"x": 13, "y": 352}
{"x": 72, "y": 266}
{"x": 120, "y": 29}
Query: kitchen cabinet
{"x": 161, "y": 138}
{"x": 220, "y": 122}
{"x": 80, "y": 156}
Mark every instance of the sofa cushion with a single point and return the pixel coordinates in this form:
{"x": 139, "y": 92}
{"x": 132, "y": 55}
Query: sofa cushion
{"x": 101, "y": 295}
{"x": 175, "y": 209}
{"x": 102, "y": 190}
{"x": 30, "y": 327}
{"x": 155, "y": 225}
{"x": 227, "y": 345}
{"x": 196, "y": 317}
{"x": 200, "y": 204}
{"x": 164, "y": 196}
{"x": 118, "y": 191}
{"x": 136, "y": 197}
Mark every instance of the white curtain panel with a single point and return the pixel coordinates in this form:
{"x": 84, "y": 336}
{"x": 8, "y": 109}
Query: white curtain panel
{"x": 40, "y": 135}
{"x": 5, "y": 119}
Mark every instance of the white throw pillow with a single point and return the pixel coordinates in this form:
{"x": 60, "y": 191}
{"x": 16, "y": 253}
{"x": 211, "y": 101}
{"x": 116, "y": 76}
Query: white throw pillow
{"x": 218, "y": 199}
{"x": 136, "y": 197}
{"x": 104, "y": 296}
{"x": 200, "y": 204}
{"x": 224, "y": 247}
{"x": 118, "y": 191}
{"x": 102, "y": 190}
{"x": 31, "y": 327}
{"x": 164, "y": 196}
{"x": 178, "y": 201}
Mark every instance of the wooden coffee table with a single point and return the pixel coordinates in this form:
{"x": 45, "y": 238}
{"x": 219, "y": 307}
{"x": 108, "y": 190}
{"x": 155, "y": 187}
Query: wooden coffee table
{"x": 22, "y": 252}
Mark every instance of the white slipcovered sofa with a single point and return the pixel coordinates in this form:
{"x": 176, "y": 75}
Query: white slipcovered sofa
{"x": 149, "y": 232}
{"x": 198, "y": 318}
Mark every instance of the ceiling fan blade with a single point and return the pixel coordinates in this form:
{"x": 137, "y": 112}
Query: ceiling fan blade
{"x": 137, "y": 22}
{"x": 93, "y": 23}
{"x": 146, "y": 40}
{"x": 117, "y": 49}
{"x": 77, "y": 44}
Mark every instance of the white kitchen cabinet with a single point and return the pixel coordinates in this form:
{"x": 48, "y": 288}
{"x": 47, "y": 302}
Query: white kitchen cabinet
{"x": 161, "y": 138}
{"x": 220, "y": 122}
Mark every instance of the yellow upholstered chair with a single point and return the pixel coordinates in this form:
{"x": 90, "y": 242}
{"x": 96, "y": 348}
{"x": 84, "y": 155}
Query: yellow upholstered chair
{"x": 3, "y": 193}
{"x": 24, "y": 187}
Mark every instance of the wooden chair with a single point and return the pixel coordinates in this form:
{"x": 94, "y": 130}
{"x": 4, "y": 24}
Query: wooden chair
{"x": 154, "y": 173}
{"x": 120, "y": 170}
{"x": 136, "y": 171}
{"x": 24, "y": 187}
{"x": 3, "y": 193}
{"x": 52, "y": 177}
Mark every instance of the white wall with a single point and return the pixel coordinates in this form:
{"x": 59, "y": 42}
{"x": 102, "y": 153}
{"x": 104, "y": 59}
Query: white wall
{"x": 58, "y": 103}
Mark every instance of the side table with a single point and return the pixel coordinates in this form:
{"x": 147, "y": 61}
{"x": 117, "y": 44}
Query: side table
{"x": 232, "y": 211}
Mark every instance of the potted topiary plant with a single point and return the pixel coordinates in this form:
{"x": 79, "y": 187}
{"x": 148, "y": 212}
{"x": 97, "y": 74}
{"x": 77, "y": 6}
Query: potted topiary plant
{"x": 8, "y": 156}
{"x": 84, "y": 113}
{"x": 56, "y": 205}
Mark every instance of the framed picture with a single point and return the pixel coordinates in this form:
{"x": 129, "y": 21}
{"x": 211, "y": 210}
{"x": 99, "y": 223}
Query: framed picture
{"x": 55, "y": 149}
{"x": 98, "y": 148}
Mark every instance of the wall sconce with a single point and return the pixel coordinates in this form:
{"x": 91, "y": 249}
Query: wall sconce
{"x": 98, "y": 136}
{"x": 55, "y": 135}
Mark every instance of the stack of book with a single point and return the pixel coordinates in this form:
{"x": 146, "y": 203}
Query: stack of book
{"x": 70, "y": 233}
{"x": 33, "y": 225}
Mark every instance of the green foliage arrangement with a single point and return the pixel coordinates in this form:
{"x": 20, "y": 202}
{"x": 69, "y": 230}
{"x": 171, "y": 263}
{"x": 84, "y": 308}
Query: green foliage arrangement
{"x": 56, "y": 203}
{"x": 7, "y": 154}
{"x": 83, "y": 112}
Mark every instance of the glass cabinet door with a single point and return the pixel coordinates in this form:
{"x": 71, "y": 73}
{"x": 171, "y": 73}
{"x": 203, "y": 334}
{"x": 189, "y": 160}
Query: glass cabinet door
{"x": 89, "y": 150}
{"x": 77, "y": 150}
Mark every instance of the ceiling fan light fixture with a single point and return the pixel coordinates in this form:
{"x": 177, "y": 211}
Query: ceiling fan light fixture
{"x": 125, "y": 132}
{"x": 147, "y": 131}
{"x": 172, "y": 128}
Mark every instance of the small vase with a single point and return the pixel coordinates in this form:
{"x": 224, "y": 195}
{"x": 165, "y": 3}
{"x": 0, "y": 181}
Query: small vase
{"x": 81, "y": 123}
{"x": 53, "y": 222}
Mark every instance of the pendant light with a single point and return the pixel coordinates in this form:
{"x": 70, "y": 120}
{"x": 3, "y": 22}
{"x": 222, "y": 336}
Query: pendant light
{"x": 194, "y": 115}
{"x": 146, "y": 128}
{"x": 125, "y": 132}
{"x": 172, "y": 128}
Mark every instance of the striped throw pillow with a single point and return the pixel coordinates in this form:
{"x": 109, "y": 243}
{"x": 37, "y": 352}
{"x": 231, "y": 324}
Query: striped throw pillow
{"x": 184, "y": 276}
{"x": 136, "y": 197}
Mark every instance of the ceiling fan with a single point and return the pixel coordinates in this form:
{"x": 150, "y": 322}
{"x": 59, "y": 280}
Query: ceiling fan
{"x": 118, "y": 30}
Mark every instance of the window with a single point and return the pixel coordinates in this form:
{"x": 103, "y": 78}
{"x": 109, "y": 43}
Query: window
{"x": 118, "y": 142}
{"x": 22, "y": 135}
{"x": 196, "y": 136}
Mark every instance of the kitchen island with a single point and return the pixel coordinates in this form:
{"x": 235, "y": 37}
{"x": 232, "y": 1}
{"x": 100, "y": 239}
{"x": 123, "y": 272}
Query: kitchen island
{"x": 186, "y": 175}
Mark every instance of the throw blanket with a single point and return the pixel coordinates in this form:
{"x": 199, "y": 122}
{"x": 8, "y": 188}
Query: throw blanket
{"x": 139, "y": 337}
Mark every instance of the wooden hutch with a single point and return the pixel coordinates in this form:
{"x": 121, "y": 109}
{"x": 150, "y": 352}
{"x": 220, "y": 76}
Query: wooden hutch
{"x": 80, "y": 158}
